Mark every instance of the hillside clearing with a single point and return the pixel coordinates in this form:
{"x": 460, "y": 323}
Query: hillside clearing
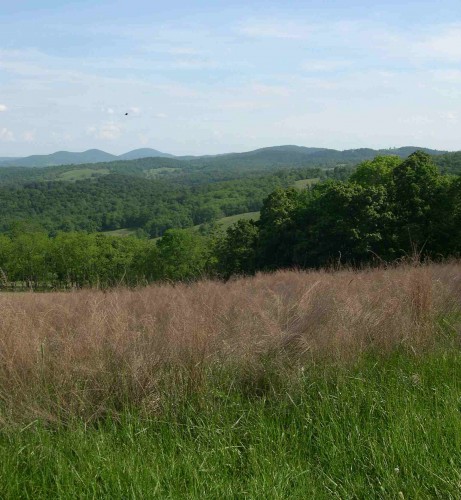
{"x": 304, "y": 183}
{"x": 82, "y": 173}
{"x": 226, "y": 222}
{"x": 127, "y": 231}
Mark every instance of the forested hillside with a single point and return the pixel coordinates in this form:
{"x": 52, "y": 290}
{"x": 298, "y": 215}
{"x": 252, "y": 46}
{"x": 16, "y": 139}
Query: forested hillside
{"x": 155, "y": 194}
{"x": 449, "y": 163}
{"x": 115, "y": 201}
{"x": 388, "y": 209}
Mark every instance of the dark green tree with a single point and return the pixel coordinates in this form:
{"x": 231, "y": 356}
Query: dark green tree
{"x": 417, "y": 192}
{"x": 236, "y": 251}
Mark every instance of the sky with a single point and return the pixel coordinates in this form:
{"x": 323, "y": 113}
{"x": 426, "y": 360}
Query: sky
{"x": 211, "y": 76}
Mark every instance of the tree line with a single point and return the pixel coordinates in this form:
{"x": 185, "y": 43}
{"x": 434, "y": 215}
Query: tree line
{"x": 37, "y": 261}
{"x": 387, "y": 208}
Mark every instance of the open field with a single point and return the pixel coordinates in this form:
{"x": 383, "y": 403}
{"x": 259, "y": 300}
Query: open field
{"x": 303, "y": 183}
{"x": 223, "y": 223}
{"x": 290, "y": 385}
{"x": 127, "y": 231}
{"x": 82, "y": 173}
{"x": 226, "y": 222}
{"x": 155, "y": 172}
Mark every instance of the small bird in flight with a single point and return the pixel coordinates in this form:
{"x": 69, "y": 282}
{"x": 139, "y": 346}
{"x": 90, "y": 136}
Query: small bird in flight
{"x": 126, "y": 114}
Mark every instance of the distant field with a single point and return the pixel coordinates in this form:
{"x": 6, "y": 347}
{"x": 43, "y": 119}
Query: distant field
{"x": 154, "y": 172}
{"x": 226, "y": 222}
{"x": 82, "y": 173}
{"x": 303, "y": 183}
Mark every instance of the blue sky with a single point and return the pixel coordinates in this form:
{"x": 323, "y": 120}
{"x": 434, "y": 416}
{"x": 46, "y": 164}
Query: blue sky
{"x": 212, "y": 77}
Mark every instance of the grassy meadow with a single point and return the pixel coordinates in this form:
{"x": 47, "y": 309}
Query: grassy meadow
{"x": 343, "y": 384}
{"x": 78, "y": 174}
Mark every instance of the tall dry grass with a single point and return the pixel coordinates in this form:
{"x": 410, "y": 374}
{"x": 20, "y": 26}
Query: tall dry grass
{"x": 91, "y": 353}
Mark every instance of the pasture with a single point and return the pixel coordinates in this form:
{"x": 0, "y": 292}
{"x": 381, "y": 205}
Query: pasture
{"x": 320, "y": 384}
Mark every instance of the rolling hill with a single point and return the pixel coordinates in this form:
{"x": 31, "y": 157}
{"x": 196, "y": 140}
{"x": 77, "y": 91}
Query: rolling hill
{"x": 85, "y": 157}
{"x": 265, "y": 158}
{"x": 61, "y": 158}
{"x": 144, "y": 153}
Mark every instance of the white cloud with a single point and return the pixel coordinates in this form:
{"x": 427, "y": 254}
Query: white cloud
{"x": 450, "y": 117}
{"x": 107, "y": 131}
{"x": 275, "y": 29}
{"x": 29, "y": 135}
{"x": 3, "y": 108}
{"x": 196, "y": 64}
{"x": 143, "y": 139}
{"x": 241, "y": 104}
{"x": 324, "y": 66}
{"x": 416, "y": 119}
{"x": 274, "y": 90}
{"x": 447, "y": 75}
{"x": 60, "y": 137}
{"x": 445, "y": 45}
{"x": 6, "y": 135}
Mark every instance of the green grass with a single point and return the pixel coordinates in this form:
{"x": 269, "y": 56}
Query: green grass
{"x": 226, "y": 222}
{"x": 385, "y": 428}
{"x": 303, "y": 183}
{"x": 155, "y": 172}
{"x": 127, "y": 231}
{"x": 82, "y": 173}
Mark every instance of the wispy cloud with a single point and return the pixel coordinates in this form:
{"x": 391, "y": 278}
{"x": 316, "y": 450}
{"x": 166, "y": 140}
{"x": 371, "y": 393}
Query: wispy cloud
{"x": 326, "y": 66}
{"x": 271, "y": 90}
{"x": 447, "y": 75}
{"x": 107, "y": 131}
{"x": 29, "y": 135}
{"x": 321, "y": 76}
{"x": 445, "y": 45}
{"x": 272, "y": 28}
{"x": 6, "y": 135}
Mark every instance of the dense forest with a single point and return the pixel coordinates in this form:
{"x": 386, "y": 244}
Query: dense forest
{"x": 117, "y": 201}
{"x": 382, "y": 210}
{"x": 152, "y": 195}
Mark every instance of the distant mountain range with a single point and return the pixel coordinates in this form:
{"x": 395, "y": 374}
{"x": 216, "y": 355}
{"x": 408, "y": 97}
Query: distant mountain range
{"x": 70, "y": 158}
{"x": 270, "y": 156}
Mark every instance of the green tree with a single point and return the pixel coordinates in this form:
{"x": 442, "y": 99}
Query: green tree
{"x": 376, "y": 172}
{"x": 236, "y": 251}
{"x": 182, "y": 255}
{"x": 6, "y": 255}
{"x": 418, "y": 188}
{"x": 344, "y": 222}
{"x": 277, "y": 228}
{"x": 31, "y": 259}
